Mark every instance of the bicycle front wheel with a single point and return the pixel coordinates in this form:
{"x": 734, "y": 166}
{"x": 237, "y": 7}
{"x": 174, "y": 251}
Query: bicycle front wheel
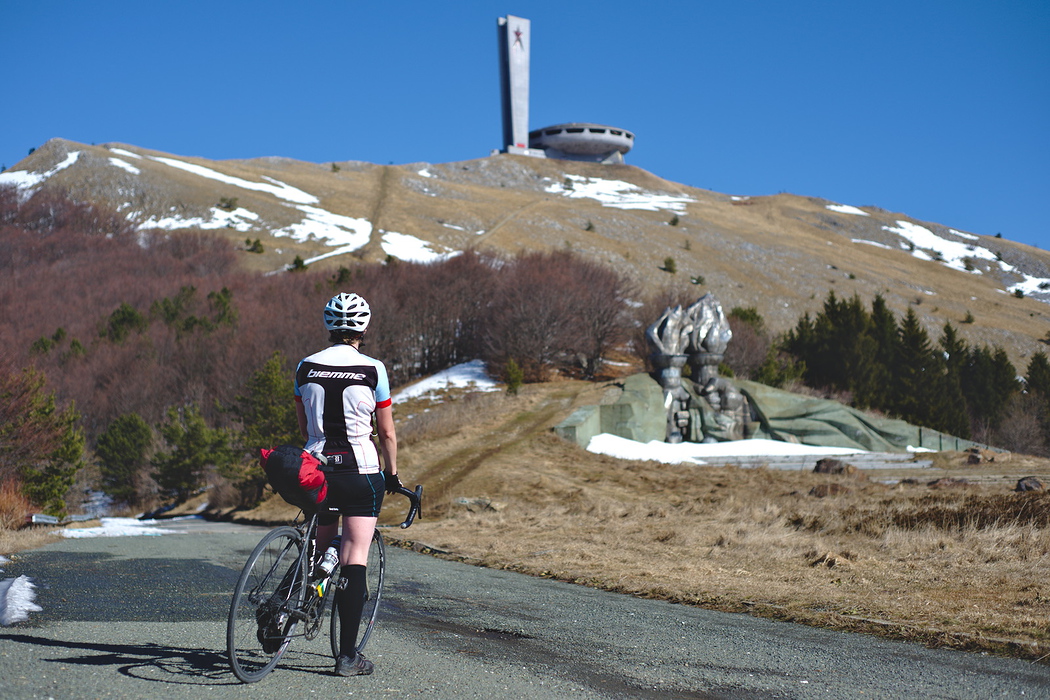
{"x": 375, "y": 574}
{"x": 260, "y": 627}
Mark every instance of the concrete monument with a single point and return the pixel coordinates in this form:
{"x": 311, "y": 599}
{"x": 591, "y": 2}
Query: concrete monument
{"x": 706, "y": 407}
{"x": 574, "y": 141}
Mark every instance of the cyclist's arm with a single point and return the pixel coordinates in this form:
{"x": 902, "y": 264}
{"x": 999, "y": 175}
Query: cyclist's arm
{"x": 387, "y": 437}
{"x": 300, "y": 414}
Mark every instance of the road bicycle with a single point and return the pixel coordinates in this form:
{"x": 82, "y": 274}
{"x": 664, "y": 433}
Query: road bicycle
{"x": 277, "y": 597}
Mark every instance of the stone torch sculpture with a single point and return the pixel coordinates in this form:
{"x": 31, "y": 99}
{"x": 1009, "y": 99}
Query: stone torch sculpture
{"x": 697, "y": 336}
{"x": 668, "y": 341}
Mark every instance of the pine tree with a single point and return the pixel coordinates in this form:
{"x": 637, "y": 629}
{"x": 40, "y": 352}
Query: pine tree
{"x": 1037, "y": 379}
{"x": 915, "y": 364}
{"x": 193, "y": 448}
{"x": 838, "y": 348}
{"x": 883, "y": 328}
{"x": 122, "y": 322}
{"x": 1037, "y": 384}
{"x": 950, "y": 401}
{"x": 267, "y": 412}
{"x": 267, "y": 409}
{"x": 121, "y": 452}
{"x": 40, "y": 445}
{"x": 989, "y": 382}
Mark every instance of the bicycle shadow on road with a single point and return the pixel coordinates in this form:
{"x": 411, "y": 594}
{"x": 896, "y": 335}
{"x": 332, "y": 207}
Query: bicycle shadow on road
{"x": 167, "y": 664}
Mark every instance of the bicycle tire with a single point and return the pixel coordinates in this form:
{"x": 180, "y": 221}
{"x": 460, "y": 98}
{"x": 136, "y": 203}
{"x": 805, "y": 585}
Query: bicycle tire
{"x": 270, "y": 580}
{"x": 375, "y": 575}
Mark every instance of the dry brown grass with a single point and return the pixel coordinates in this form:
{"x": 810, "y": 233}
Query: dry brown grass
{"x": 966, "y": 567}
{"x": 14, "y": 507}
{"x": 15, "y": 540}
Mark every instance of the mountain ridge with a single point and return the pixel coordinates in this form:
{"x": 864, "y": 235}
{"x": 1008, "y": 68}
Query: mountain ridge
{"x": 779, "y": 253}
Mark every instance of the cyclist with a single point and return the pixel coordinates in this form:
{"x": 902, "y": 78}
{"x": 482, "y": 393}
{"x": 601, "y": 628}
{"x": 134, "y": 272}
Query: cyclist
{"x": 337, "y": 392}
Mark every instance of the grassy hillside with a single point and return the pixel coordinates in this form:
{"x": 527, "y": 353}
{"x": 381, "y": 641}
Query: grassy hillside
{"x": 780, "y": 254}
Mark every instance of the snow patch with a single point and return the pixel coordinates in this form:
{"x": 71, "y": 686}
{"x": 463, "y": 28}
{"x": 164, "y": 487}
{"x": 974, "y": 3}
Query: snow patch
{"x": 330, "y": 254}
{"x": 17, "y": 600}
{"x": 119, "y": 527}
{"x": 127, "y": 154}
{"x": 955, "y": 254}
{"x": 24, "y": 180}
{"x": 275, "y": 187}
{"x": 238, "y": 219}
{"x": 874, "y": 243}
{"x": 952, "y": 253}
{"x": 847, "y": 209}
{"x": 618, "y": 194}
{"x": 411, "y": 249}
{"x": 322, "y": 224}
{"x": 124, "y": 165}
{"x": 694, "y": 452}
{"x": 469, "y": 375}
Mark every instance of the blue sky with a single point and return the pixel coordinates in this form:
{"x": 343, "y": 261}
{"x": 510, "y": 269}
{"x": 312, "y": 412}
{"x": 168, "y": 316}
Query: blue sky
{"x": 939, "y": 110}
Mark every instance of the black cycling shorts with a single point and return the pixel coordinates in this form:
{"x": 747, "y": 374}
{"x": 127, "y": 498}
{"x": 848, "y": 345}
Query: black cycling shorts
{"x": 352, "y": 494}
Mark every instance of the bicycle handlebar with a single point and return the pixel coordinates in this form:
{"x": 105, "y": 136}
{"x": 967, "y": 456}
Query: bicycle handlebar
{"x": 415, "y": 498}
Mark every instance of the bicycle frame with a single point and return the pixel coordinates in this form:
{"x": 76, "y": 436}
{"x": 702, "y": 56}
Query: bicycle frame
{"x": 270, "y": 612}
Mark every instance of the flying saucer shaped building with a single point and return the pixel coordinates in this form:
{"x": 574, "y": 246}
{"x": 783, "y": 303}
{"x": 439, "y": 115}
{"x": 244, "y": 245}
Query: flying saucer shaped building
{"x": 578, "y": 141}
{"x": 575, "y": 141}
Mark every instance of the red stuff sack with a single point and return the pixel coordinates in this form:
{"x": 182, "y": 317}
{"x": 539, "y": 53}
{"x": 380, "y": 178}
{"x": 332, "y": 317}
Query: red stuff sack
{"x": 296, "y": 476}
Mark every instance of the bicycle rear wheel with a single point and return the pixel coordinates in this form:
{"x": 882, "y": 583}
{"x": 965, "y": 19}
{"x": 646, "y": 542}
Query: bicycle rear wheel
{"x": 260, "y": 628}
{"x": 374, "y": 577}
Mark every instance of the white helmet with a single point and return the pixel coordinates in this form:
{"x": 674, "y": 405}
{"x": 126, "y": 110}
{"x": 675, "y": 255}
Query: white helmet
{"x": 347, "y": 312}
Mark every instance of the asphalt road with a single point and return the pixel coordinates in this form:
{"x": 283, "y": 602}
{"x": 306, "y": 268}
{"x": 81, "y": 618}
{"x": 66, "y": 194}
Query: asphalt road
{"x": 145, "y": 617}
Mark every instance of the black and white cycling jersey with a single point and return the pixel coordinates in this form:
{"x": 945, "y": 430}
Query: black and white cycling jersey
{"x": 340, "y": 388}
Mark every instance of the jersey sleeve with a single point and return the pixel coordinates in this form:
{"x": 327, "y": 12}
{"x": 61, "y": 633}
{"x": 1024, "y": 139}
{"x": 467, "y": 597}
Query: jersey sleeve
{"x": 298, "y": 391}
{"x": 382, "y": 387}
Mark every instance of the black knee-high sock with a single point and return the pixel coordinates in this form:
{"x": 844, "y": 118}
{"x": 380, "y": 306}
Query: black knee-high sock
{"x": 351, "y": 600}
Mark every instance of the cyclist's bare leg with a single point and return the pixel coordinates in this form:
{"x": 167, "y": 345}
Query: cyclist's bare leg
{"x": 357, "y": 537}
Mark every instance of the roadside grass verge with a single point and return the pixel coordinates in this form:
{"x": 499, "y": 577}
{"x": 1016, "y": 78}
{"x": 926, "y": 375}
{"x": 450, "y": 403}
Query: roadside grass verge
{"x": 966, "y": 567}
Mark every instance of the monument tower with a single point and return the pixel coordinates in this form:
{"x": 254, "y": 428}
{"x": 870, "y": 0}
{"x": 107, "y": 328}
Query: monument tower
{"x": 514, "y": 82}
{"x": 572, "y": 141}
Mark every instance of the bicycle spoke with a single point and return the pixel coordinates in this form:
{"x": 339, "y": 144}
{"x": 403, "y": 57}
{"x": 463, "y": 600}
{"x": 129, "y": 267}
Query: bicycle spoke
{"x": 260, "y": 625}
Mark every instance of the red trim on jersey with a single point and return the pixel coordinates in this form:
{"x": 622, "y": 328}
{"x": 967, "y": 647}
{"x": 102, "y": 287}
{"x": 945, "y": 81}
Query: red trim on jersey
{"x": 384, "y": 404}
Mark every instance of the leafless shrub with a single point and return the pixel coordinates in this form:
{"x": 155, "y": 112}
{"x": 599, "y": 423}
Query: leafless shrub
{"x": 203, "y": 253}
{"x": 747, "y": 350}
{"x": 14, "y": 507}
{"x": 1022, "y": 429}
{"x": 48, "y": 211}
{"x": 554, "y": 310}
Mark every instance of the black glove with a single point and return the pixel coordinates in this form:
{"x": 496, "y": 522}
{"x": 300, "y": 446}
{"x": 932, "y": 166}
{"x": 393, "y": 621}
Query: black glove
{"x": 392, "y": 482}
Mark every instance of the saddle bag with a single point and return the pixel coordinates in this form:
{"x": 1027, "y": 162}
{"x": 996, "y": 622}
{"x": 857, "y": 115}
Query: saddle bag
{"x": 296, "y": 476}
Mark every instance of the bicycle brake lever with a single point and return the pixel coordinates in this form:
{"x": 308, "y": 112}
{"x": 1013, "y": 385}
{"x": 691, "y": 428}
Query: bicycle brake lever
{"x": 416, "y": 500}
